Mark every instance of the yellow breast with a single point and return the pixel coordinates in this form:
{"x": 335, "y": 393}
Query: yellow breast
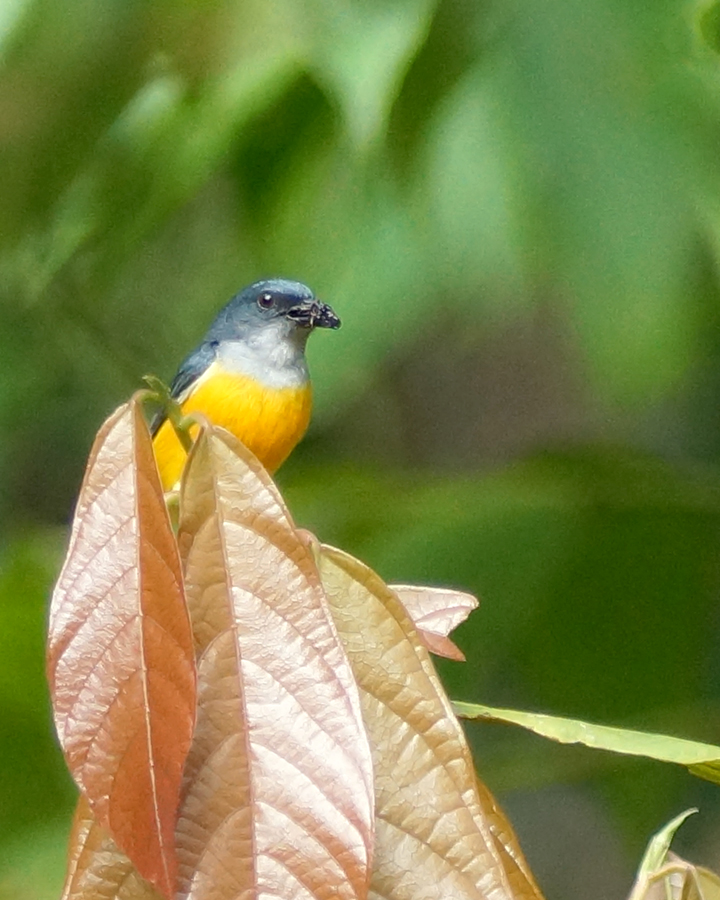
{"x": 269, "y": 421}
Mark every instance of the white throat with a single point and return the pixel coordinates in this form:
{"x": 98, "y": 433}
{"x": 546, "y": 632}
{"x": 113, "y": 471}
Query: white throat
{"x": 273, "y": 354}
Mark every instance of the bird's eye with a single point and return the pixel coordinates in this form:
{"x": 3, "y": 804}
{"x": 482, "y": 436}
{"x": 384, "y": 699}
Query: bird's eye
{"x": 266, "y": 301}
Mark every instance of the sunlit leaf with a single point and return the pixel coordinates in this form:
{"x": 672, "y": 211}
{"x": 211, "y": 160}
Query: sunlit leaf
{"x": 432, "y": 835}
{"x": 120, "y": 655}
{"x": 439, "y": 610}
{"x": 278, "y": 794}
{"x": 436, "y": 612}
{"x": 701, "y": 759}
{"x": 97, "y": 868}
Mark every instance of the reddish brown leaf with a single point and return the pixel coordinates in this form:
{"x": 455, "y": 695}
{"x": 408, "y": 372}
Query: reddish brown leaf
{"x": 432, "y": 836}
{"x": 440, "y": 646}
{"x": 120, "y": 654}
{"x": 278, "y": 796}
{"x": 97, "y": 869}
{"x": 436, "y": 612}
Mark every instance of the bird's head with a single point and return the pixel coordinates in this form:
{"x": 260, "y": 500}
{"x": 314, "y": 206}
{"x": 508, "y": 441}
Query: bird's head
{"x": 287, "y": 308}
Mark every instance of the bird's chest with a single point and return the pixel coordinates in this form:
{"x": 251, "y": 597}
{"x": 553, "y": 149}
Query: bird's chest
{"x": 268, "y": 420}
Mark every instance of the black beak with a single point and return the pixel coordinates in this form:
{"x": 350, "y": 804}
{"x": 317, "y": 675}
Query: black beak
{"x": 314, "y": 314}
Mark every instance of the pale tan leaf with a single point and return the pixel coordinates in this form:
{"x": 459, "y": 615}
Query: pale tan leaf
{"x": 120, "y": 656}
{"x": 432, "y": 840}
{"x": 278, "y": 797}
{"x": 97, "y": 869}
{"x": 436, "y": 612}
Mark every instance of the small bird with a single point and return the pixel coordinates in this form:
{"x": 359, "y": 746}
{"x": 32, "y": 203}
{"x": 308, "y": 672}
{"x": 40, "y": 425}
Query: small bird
{"x": 249, "y": 374}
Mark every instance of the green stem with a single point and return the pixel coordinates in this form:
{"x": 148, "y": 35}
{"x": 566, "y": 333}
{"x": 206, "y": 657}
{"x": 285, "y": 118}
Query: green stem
{"x": 160, "y": 393}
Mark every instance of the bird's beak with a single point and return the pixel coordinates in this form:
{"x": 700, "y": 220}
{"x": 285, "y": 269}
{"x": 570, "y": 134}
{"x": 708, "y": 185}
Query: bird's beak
{"x": 314, "y": 314}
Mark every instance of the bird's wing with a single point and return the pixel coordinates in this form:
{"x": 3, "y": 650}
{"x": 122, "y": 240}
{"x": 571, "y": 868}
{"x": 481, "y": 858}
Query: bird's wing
{"x": 191, "y": 368}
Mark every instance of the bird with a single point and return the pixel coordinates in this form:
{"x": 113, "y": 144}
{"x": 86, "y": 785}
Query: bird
{"x": 249, "y": 374}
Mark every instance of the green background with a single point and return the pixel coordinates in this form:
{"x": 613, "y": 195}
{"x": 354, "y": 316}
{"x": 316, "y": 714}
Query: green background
{"x": 515, "y": 209}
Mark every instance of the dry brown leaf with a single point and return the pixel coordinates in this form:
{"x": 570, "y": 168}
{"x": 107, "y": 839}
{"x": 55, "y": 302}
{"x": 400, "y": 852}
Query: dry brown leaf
{"x": 435, "y": 613}
{"x": 278, "y": 795}
{"x": 432, "y": 839}
{"x": 97, "y": 869}
{"x": 120, "y": 655}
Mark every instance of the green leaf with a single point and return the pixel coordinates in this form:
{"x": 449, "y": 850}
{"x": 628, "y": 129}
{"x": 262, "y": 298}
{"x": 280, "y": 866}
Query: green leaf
{"x": 363, "y": 51}
{"x": 708, "y": 22}
{"x": 665, "y": 876}
{"x": 34, "y": 787}
{"x": 603, "y": 158}
{"x": 32, "y": 861}
{"x": 702, "y": 760}
{"x": 659, "y": 845}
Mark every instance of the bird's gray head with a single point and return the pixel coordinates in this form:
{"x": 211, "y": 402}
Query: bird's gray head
{"x": 286, "y": 307}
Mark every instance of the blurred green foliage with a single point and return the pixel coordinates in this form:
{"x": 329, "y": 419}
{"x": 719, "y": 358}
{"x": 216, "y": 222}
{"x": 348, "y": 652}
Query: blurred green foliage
{"x": 515, "y": 208}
